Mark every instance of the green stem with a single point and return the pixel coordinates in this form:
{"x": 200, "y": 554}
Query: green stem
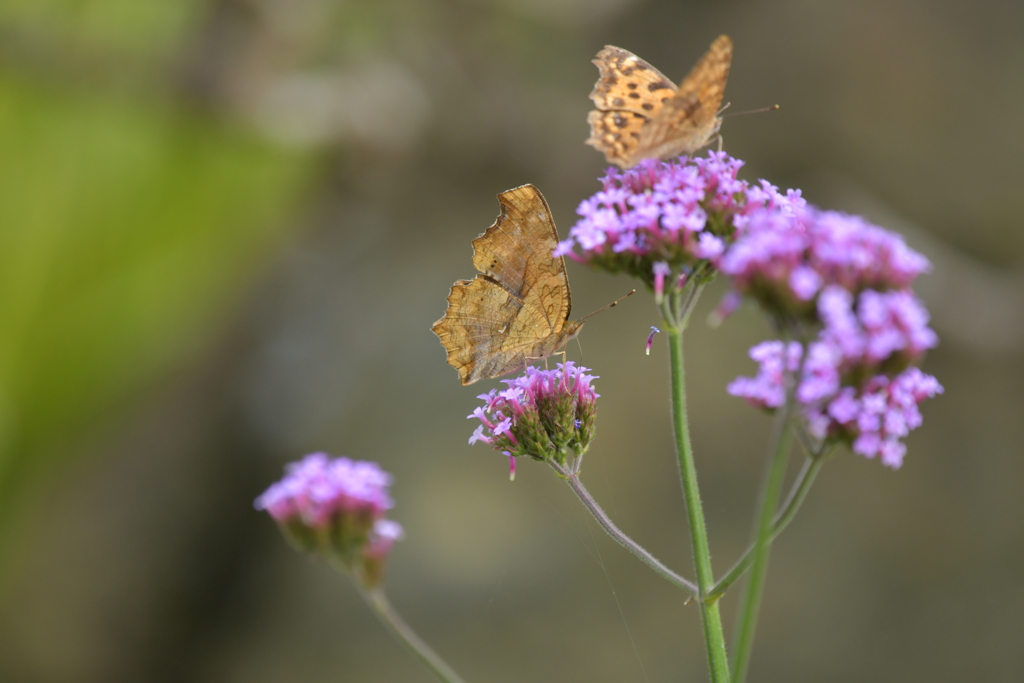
{"x": 751, "y": 602}
{"x": 573, "y": 478}
{"x": 377, "y": 601}
{"x": 711, "y": 617}
{"x": 796, "y": 497}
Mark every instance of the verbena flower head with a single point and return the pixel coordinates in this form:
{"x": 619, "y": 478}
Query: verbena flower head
{"x": 876, "y": 331}
{"x": 542, "y": 414}
{"x": 335, "y": 507}
{"x": 872, "y": 416}
{"x": 786, "y": 256}
{"x": 660, "y": 216}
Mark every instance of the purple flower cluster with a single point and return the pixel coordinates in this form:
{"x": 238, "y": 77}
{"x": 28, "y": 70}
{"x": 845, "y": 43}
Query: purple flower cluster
{"x": 676, "y": 214}
{"x": 884, "y": 333}
{"x": 336, "y": 506}
{"x": 875, "y": 417}
{"x": 785, "y": 257}
{"x": 317, "y": 489}
{"x": 768, "y": 388}
{"x": 851, "y": 279}
{"x": 884, "y": 330}
{"x": 871, "y": 417}
{"x": 683, "y": 220}
{"x": 542, "y": 414}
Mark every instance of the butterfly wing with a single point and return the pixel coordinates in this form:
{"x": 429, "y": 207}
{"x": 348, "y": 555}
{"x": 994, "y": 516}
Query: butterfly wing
{"x": 516, "y": 310}
{"x": 628, "y": 92}
{"x": 616, "y": 134}
{"x": 708, "y": 76}
{"x": 690, "y": 119}
{"x": 475, "y": 330}
{"x": 627, "y": 83}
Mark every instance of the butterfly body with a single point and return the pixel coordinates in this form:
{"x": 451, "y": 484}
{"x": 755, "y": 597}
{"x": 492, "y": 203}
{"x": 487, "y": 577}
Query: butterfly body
{"x": 641, "y": 114}
{"x": 516, "y": 310}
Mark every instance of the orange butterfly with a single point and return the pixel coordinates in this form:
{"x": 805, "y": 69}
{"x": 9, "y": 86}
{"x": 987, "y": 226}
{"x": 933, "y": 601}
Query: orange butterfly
{"x": 642, "y": 115}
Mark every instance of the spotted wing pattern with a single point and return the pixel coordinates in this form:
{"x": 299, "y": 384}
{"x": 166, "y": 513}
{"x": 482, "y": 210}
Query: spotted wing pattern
{"x": 627, "y": 94}
{"x": 640, "y": 114}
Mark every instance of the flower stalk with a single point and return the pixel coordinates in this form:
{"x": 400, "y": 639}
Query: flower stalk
{"x": 763, "y": 531}
{"x": 572, "y": 477}
{"x": 381, "y": 606}
{"x": 711, "y": 618}
{"x": 796, "y": 497}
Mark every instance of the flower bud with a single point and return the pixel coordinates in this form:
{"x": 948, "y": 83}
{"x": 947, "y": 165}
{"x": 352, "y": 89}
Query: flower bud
{"x": 542, "y": 414}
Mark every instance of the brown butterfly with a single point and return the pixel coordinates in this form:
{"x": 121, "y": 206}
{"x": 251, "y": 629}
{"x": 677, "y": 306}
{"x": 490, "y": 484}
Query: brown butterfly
{"x": 517, "y": 310}
{"x": 642, "y": 115}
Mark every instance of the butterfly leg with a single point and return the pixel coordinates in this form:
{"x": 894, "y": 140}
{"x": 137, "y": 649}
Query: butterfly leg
{"x": 721, "y": 142}
{"x": 532, "y": 359}
{"x": 545, "y": 358}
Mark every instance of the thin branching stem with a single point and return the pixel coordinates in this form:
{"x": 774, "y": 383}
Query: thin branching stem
{"x": 380, "y": 605}
{"x": 751, "y": 601}
{"x": 572, "y": 477}
{"x": 796, "y": 496}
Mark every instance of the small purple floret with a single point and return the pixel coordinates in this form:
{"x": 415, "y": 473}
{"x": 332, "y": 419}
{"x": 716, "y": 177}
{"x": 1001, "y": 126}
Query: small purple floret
{"x": 382, "y": 537}
{"x": 650, "y": 338}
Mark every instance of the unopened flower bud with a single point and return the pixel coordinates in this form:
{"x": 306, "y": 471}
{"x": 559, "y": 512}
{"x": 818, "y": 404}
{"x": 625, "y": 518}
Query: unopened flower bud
{"x": 650, "y": 338}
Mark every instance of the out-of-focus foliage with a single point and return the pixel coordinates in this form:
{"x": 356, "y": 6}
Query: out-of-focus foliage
{"x": 125, "y": 229}
{"x": 140, "y": 29}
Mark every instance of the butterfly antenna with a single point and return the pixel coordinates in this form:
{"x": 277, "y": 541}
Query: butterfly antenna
{"x": 752, "y": 111}
{"x": 604, "y": 308}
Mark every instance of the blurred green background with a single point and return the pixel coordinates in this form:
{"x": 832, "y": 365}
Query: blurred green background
{"x": 227, "y": 225}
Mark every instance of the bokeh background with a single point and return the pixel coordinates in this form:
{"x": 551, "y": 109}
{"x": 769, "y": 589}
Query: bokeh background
{"x": 226, "y": 227}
